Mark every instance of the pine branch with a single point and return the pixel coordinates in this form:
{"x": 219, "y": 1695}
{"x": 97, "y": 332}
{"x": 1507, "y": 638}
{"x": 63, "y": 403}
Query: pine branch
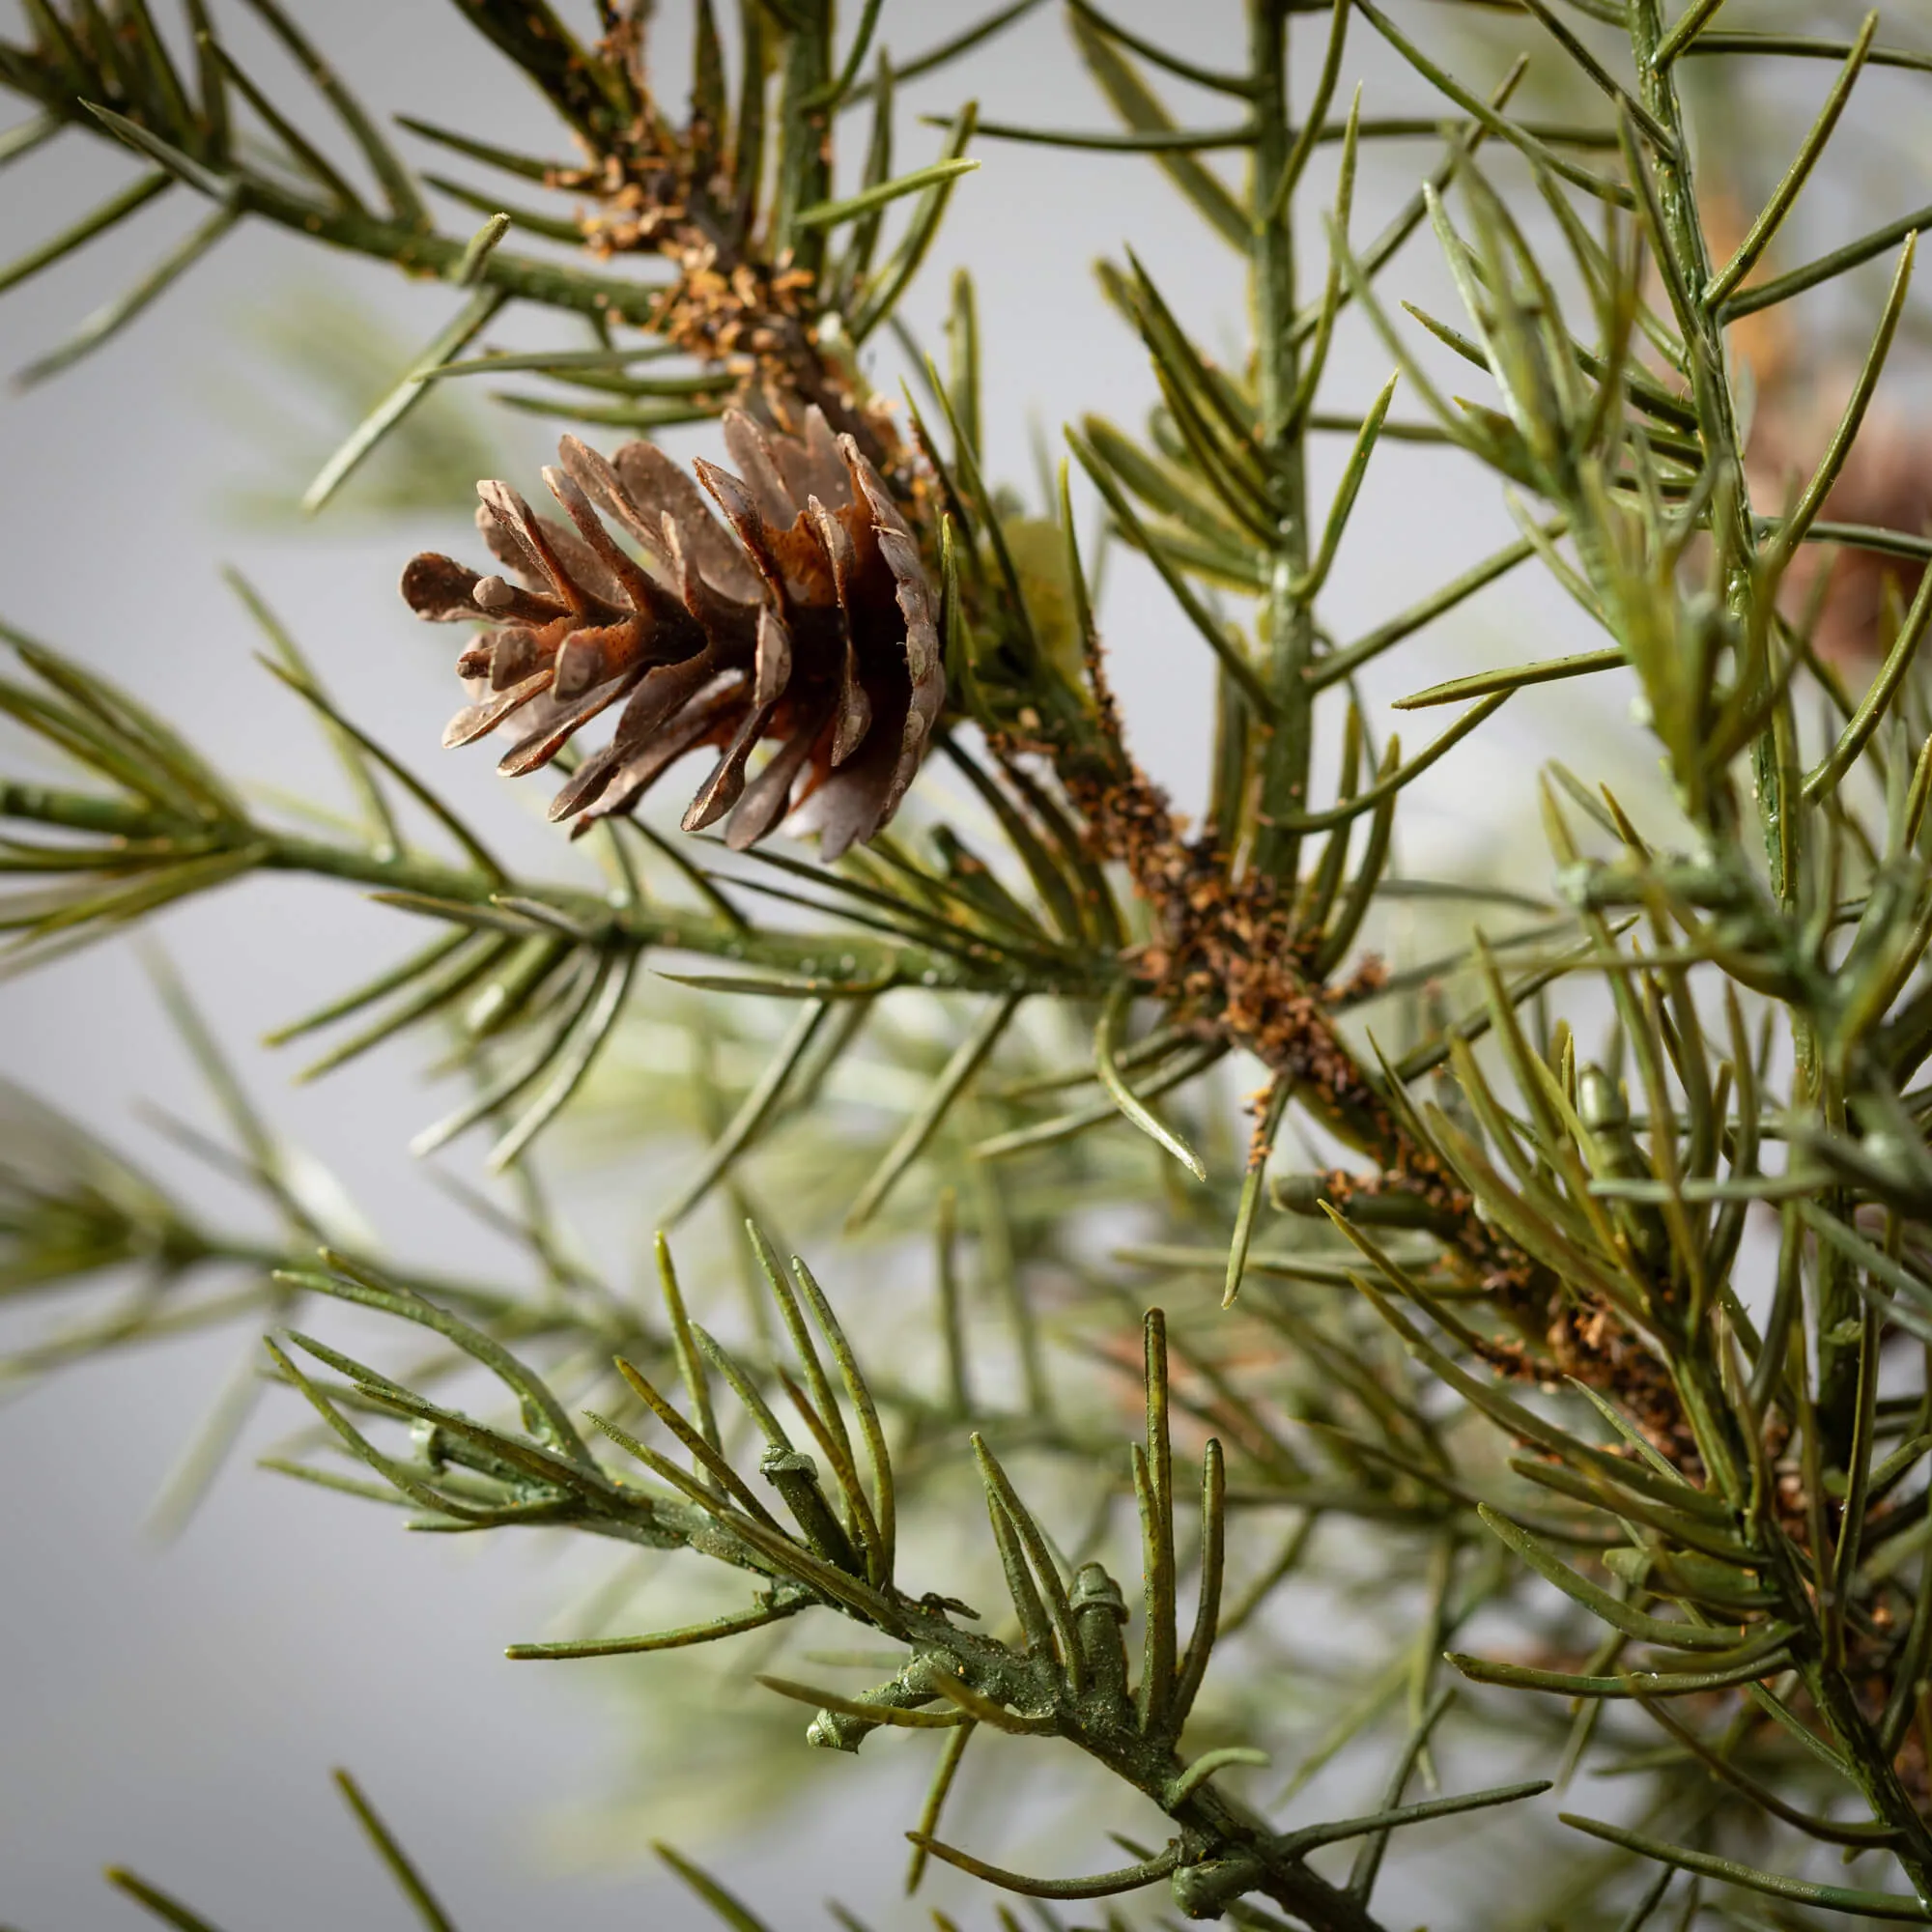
{"x": 1528, "y": 1355}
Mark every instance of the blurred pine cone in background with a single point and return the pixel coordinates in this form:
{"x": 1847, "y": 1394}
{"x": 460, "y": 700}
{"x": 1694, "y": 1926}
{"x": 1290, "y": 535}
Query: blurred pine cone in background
{"x": 805, "y": 618}
{"x": 1887, "y": 479}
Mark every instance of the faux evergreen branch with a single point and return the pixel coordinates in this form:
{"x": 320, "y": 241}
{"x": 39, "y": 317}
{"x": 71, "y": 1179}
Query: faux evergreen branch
{"x": 1069, "y": 1676}
{"x": 1608, "y": 1357}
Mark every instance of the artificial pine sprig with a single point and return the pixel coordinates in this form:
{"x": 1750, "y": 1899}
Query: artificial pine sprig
{"x": 1520, "y": 1327}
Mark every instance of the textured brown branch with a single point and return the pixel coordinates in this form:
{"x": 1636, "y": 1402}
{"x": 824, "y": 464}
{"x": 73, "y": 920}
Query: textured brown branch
{"x": 658, "y": 189}
{"x": 1225, "y": 954}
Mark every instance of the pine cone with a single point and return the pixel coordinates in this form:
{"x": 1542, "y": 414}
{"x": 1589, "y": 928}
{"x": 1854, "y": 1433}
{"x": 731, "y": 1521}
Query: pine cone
{"x": 1886, "y": 482}
{"x": 805, "y": 618}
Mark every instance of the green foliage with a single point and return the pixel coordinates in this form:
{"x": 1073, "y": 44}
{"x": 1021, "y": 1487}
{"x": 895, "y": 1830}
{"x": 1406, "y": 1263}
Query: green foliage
{"x": 318, "y": 360}
{"x": 1595, "y": 1374}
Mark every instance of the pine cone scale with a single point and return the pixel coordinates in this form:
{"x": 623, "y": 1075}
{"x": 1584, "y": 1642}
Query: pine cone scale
{"x": 511, "y": 604}
{"x": 518, "y": 654}
{"x": 664, "y": 494}
{"x": 631, "y": 777}
{"x": 543, "y": 550}
{"x": 598, "y": 656}
{"x": 718, "y": 613}
{"x": 758, "y": 480}
{"x": 722, "y": 790}
{"x": 478, "y": 720}
{"x": 765, "y": 798}
{"x": 438, "y": 589}
{"x": 532, "y": 753}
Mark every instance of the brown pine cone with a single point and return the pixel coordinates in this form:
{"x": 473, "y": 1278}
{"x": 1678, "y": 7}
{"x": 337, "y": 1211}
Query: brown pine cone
{"x": 1887, "y": 481}
{"x": 805, "y": 618}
